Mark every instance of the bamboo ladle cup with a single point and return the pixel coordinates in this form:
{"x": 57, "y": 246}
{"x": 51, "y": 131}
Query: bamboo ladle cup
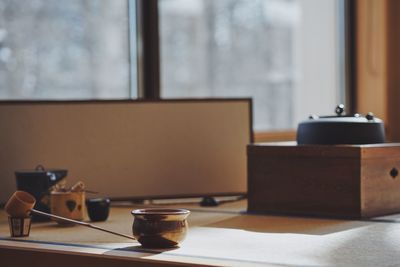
{"x": 21, "y": 204}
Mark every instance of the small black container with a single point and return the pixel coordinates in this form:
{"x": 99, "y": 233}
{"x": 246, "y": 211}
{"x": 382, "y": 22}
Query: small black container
{"x": 38, "y": 182}
{"x": 98, "y": 209}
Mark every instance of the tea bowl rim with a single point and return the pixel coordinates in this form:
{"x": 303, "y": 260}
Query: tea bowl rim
{"x": 160, "y": 211}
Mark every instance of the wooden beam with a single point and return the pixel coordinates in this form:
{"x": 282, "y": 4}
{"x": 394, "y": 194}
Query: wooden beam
{"x": 393, "y": 69}
{"x": 371, "y": 57}
{"x": 378, "y": 62}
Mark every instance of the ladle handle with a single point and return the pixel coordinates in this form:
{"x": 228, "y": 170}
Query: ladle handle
{"x": 58, "y": 217}
{"x": 79, "y": 223}
{"x": 108, "y": 231}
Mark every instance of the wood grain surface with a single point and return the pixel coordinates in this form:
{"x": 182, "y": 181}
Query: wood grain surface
{"x": 348, "y": 181}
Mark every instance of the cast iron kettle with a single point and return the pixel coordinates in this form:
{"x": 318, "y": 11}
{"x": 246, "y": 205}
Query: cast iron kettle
{"x": 341, "y": 129}
{"x": 38, "y": 182}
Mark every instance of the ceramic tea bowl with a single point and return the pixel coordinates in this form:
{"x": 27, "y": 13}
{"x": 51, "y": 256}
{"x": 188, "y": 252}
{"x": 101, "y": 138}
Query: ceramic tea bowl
{"x": 160, "y": 228}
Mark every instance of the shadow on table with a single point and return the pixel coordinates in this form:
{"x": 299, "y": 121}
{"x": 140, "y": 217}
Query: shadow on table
{"x": 140, "y": 252}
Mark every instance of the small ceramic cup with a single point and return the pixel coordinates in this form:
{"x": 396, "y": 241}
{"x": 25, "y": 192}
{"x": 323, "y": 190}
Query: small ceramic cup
{"x": 98, "y": 209}
{"x": 160, "y": 228}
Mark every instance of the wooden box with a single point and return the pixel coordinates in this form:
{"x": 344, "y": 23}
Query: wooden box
{"x": 346, "y": 181}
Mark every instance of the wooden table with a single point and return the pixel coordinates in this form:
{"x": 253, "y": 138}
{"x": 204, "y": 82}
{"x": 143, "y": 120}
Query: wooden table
{"x": 225, "y": 235}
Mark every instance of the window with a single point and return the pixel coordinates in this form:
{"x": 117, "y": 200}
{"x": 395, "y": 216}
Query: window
{"x": 285, "y": 54}
{"x": 288, "y": 55}
{"x": 51, "y": 49}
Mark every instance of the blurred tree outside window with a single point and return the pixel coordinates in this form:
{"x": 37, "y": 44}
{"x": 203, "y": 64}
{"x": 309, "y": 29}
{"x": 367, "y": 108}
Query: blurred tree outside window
{"x": 282, "y": 53}
{"x": 75, "y": 49}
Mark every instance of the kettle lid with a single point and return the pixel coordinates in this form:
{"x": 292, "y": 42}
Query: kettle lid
{"x": 341, "y": 129}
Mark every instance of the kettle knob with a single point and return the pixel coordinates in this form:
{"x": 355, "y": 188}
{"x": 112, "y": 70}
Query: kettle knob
{"x": 339, "y": 110}
{"x": 370, "y": 116}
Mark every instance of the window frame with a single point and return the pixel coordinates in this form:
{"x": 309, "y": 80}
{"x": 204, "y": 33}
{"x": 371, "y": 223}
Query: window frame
{"x": 148, "y": 49}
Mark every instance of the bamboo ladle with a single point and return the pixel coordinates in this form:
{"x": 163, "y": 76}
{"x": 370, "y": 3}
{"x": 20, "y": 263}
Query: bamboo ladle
{"x": 21, "y": 204}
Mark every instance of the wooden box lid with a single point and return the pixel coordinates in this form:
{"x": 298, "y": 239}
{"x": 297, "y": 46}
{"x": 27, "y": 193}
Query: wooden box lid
{"x": 291, "y": 149}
